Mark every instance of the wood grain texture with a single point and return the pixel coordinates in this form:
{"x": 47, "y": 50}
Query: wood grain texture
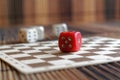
{"x": 109, "y": 10}
{"x": 100, "y": 7}
{"x": 54, "y": 11}
{"x": 117, "y": 10}
{"x": 77, "y": 11}
{"x": 89, "y": 7}
{"x": 3, "y": 13}
{"x": 65, "y": 10}
{"x": 41, "y": 12}
{"x": 29, "y": 11}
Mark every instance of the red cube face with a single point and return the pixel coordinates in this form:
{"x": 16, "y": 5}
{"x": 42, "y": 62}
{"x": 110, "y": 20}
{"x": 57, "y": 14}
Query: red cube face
{"x": 70, "y": 41}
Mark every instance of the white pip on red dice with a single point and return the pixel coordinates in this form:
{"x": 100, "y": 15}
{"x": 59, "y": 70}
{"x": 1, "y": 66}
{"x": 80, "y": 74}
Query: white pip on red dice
{"x": 31, "y": 34}
{"x": 58, "y": 28}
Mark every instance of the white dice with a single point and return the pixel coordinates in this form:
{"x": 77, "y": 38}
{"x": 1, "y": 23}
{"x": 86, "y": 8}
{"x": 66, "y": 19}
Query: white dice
{"x": 28, "y": 35}
{"x": 58, "y": 28}
{"x": 31, "y": 34}
{"x": 40, "y": 31}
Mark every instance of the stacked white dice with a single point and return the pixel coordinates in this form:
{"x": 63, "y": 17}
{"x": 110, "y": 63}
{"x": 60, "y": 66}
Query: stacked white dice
{"x": 58, "y": 28}
{"x": 31, "y": 34}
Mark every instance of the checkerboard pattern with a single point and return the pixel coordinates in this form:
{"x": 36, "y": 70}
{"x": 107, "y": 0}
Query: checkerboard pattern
{"x": 46, "y": 56}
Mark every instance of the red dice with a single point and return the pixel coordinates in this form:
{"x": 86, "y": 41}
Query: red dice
{"x": 70, "y": 41}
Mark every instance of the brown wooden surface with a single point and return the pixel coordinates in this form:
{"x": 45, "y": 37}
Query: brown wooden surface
{"x": 100, "y": 16}
{"x": 41, "y": 12}
{"x": 78, "y": 11}
{"x": 108, "y": 71}
{"x": 3, "y": 13}
{"x": 117, "y": 8}
{"x": 28, "y": 12}
{"x": 46, "y": 12}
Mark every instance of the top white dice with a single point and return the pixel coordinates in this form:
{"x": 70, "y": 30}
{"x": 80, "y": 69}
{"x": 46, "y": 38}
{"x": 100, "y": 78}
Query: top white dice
{"x": 58, "y": 28}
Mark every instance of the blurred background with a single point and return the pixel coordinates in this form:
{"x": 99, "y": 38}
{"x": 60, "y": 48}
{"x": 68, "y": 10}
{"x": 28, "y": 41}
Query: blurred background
{"x": 47, "y": 12}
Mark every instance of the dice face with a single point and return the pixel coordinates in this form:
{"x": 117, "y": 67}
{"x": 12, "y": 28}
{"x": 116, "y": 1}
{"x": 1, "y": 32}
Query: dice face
{"x": 28, "y": 35}
{"x": 22, "y": 35}
{"x": 70, "y": 41}
{"x": 40, "y": 32}
{"x": 58, "y": 28}
{"x": 32, "y": 35}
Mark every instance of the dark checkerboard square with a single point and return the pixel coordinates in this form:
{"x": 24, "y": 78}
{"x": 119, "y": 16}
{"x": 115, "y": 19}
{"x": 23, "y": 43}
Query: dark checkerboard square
{"x": 88, "y": 54}
{"x": 37, "y": 53}
{"x": 52, "y": 58}
{"x": 37, "y": 65}
{"x": 25, "y": 58}
{"x": 48, "y": 49}
{"x": 17, "y": 45}
{"x": 80, "y": 59}
{"x": 6, "y": 49}
{"x": 116, "y": 50}
{"x": 94, "y": 50}
{"x": 13, "y": 53}
{"x": 114, "y": 55}
{"x": 100, "y": 46}
{"x": 24, "y": 49}
{"x": 117, "y": 46}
